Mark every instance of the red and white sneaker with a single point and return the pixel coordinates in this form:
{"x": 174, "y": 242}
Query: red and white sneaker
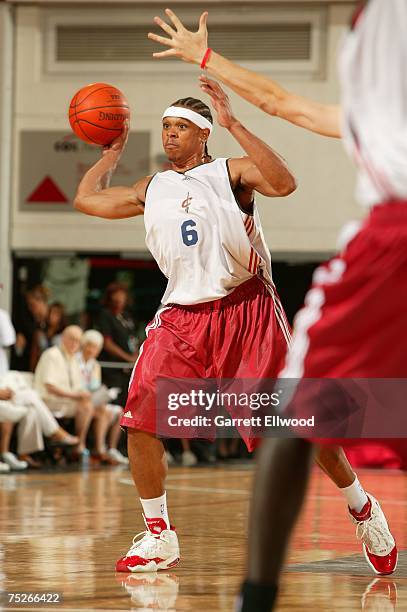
{"x": 379, "y": 546}
{"x": 158, "y": 549}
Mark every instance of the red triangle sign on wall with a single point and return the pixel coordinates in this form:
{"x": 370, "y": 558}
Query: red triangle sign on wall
{"x": 47, "y": 191}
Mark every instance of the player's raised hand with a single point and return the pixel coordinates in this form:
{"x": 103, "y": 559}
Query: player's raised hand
{"x": 220, "y": 101}
{"x": 119, "y": 143}
{"x": 184, "y": 44}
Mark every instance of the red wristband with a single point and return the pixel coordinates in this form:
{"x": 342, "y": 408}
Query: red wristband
{"x": 206, "y": 57}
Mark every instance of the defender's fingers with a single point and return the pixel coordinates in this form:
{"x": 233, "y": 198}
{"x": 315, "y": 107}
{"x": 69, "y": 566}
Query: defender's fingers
{"x": 164, "y": 26}
{"x": 175, "y": 20}
{"x": 161, "y": 39}
{"x": 203, "y": 21}
{"x": 168, "y": 53}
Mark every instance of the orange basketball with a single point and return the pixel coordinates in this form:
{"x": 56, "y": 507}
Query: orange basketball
{"x": 97, "y": 113}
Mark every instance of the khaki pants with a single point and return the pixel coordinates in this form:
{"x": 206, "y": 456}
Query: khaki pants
{"x": 62, "y": 407}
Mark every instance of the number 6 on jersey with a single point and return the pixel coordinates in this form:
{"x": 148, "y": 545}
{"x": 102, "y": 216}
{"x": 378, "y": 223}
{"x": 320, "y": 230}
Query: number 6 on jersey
{"x": 189, "y": 236}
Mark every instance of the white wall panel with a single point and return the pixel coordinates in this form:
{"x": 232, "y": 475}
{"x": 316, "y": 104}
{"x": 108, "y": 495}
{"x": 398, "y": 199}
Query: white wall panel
{"x": 6, "y": 146}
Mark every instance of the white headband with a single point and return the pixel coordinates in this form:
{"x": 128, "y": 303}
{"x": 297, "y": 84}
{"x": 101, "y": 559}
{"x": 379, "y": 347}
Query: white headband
{"x": 187, "y": 113}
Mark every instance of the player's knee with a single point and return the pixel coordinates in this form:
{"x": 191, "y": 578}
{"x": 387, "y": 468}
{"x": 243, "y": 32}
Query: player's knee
{"x": 137, "y": 439}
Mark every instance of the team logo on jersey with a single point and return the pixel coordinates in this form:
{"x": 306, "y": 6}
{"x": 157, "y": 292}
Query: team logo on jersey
{"x": 187, "y": 202}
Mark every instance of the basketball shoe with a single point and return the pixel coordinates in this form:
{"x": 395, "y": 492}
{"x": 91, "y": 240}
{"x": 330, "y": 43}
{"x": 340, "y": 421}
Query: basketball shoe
{"x": 157, "y": 549}
{"x": 379, "y": 546}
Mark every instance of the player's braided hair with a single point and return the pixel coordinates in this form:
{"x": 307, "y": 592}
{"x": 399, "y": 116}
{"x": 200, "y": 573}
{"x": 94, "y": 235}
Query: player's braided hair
{"x": 199, "y": 107}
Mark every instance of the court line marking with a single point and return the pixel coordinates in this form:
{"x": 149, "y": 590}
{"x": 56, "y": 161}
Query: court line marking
{"x": 189, "y": 476}
{"x": 177, "y": 487}
{"x": 207, "y": 489}
{"x": 185, "y": 477}
{"x": 197, "y": 476}
{"x": 128, "y": 481}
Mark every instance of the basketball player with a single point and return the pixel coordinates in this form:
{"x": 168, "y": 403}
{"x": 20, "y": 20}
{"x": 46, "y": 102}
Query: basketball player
{"x": 357, "y": 314}
{"x": 220, "y": 314}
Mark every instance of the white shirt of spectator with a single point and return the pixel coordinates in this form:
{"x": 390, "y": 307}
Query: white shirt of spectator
{"x": 91, "y": 373}
{"x": 7, "y": 338}
{"x": 57, "y": 368}
{"x": 374, "y": 100}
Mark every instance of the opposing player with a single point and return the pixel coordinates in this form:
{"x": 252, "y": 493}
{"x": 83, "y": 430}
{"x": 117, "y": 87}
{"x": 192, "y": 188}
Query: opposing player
{"x": 221, "y": 317}
{"x": 356, "y": 313}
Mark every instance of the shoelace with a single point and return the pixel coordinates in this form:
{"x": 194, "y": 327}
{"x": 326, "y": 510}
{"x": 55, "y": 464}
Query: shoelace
{"x": 372, "y": 536}
{"x": 148, "y": 539}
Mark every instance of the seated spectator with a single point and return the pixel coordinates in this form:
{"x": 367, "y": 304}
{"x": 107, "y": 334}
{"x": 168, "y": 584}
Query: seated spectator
{"x": 31, "y": 324}
{"x": 120, "y": 337}
{"x": 56, "y": 323}
{"x": 92, "y": 343}
{"x": 7, "y": 339}
{"x": 8, "y": 460}
{"x": 58, "y": 380}
{"x": 35, "y": 420}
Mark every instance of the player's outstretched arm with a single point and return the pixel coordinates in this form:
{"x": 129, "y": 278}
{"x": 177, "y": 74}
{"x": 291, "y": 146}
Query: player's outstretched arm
{"x": 263, "y": 92}
{"x": 95, "y": 197}
{"x": 263, "y": 170}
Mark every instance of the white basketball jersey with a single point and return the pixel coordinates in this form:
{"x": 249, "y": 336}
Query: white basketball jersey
{"x": 373, "y": 67}
{"x": 203, "y": 243}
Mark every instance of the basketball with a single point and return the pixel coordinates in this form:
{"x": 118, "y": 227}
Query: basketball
{"x": 97, "y": 113}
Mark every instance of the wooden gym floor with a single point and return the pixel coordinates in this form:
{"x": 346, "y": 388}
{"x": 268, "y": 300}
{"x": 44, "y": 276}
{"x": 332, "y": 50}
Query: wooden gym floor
{"x": 63, "y": 532}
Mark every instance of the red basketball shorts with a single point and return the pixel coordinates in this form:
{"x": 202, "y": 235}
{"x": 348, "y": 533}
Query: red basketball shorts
{"x": 354, "y": 321}
{"x": 243, "y": 335}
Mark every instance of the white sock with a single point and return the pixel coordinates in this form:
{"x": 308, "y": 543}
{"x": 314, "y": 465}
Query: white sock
{"x": 355, "y": 495}
{"x": 156, "y": 508}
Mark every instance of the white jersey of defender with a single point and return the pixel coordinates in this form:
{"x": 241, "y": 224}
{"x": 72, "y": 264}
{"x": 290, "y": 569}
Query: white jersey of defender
{"x": 373, "y": 67}
{"x": 202, "y": 241}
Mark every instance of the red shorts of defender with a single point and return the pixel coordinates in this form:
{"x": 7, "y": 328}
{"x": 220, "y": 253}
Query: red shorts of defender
{"x": 354, "y": 321}
{"x": 243, "y": 335}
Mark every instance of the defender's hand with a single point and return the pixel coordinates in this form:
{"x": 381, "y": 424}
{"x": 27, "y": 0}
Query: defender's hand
{"x": 186, "y": 45}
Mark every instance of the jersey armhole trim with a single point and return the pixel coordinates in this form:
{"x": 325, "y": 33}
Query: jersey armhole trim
{"x": 246, "y": 212}
{"x": 147, "y": 186}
